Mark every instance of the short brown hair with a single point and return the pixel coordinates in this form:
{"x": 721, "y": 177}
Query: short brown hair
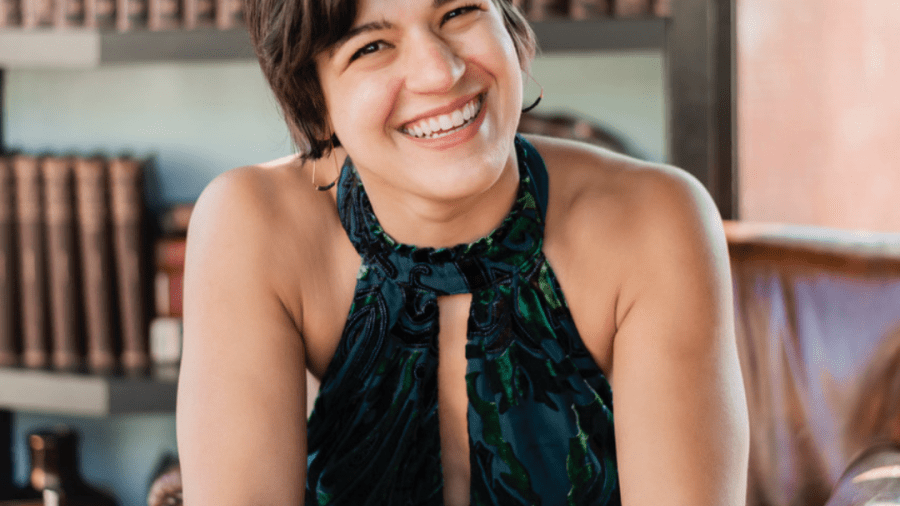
{"x": 288, "y": 34}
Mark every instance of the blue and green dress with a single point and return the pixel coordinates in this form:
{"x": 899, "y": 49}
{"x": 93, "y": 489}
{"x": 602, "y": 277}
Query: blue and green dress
{"x": 540, "y": 417}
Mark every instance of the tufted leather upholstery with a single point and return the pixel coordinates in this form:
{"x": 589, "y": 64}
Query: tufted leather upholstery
{"x": 818, "y": 328}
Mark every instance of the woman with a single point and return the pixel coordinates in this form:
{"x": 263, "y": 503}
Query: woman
{"x": 499, "y": 289}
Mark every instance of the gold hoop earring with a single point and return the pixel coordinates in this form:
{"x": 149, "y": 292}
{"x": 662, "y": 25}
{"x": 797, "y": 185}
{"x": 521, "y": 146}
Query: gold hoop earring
{"x": 538, "y": 100}
{"x": 336, "y": 170}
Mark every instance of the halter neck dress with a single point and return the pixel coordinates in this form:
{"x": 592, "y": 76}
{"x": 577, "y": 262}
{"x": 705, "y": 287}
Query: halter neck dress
{"x": 540, "y": 417}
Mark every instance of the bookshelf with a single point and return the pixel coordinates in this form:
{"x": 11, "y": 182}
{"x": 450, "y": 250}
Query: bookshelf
{"x": 93, "y": 48}
{"x": 84, "y": 395}
{"x": 696, "y": 41}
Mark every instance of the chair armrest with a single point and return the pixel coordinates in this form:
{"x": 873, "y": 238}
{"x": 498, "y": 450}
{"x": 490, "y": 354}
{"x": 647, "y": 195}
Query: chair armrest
{"x": 872, "y": 478}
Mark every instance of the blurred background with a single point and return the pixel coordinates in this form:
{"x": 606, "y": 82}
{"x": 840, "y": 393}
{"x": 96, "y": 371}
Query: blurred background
{"x": 785, "y": 111}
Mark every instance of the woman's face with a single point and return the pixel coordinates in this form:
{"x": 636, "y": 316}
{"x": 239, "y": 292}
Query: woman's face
{"x": 425, "y": 95}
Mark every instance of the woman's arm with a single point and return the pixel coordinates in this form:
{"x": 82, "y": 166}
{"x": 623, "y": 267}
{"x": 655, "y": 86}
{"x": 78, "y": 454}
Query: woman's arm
{"x": 679, "y": 402}
{"x": 241, "y": 414}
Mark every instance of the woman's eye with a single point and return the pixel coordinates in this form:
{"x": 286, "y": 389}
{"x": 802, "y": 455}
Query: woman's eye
{"x": 459, "y": 11}
{"x": 369, "y": 48}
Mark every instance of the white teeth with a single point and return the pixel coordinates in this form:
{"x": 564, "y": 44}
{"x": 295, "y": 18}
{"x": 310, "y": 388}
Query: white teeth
{"x": 458, "y": 118}
{"x": 438, "y": 126}
{"x": 445, "y": 121}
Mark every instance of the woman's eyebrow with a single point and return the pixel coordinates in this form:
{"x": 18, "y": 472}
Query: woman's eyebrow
{"x": 357, "y": 30}
{"x": 374, "y": 26}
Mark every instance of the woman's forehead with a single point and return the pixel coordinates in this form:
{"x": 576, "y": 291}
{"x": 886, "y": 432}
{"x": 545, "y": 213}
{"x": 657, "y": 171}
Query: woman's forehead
{"x": 374, "y": 10}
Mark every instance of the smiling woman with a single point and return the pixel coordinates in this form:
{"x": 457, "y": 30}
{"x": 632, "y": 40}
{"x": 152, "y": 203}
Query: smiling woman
{"x": 470, "y": 299}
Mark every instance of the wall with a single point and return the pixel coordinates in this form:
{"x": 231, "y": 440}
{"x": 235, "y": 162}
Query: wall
{"x": 198, "y": 120}
{"x": 818, "y": 110}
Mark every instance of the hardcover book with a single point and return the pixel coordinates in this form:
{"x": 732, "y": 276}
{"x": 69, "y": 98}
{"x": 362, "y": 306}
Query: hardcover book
{"x": 169, "y": 280}
{"x": 59, "y": 215}
{"x": 9, "y": 352}
{"x": 10, "y": 13}
{"x": 37, "y": 13}
{"x": 32, "y": 269}
{"x": 164, "y": 14}
{"x": 662, "y": 8}
{"x": 96, "y": 262}
{"x": 199, "y": 14}
{"x": 68, "y": 14}
{"x": 100, "y": 14}
{"x": 126, "y": 192}
{"x": 229, "y": 14}
{"x": 587, "y": 9}
{"x": 539, "y": 10}
{"x": 631, "y": 8}
{"x": 131, "y": 14}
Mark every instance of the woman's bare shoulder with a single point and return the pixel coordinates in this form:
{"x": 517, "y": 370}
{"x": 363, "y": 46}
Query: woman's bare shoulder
{"x": 262, "y": 200}
{"x": 619, "y": 195}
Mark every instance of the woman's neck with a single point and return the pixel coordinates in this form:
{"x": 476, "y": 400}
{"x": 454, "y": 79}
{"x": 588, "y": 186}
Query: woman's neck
{"x": 425, "y": 222}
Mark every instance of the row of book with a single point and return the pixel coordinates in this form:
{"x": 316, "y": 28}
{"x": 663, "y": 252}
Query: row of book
{"x": 121, "y": 15}
{"x": 538, "y": 10}
{"x": 124, "y": 15}
{"x": 75, "y": 292}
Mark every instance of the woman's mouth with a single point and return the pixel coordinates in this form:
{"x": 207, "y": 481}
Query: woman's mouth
{"x": 446, "y": 124}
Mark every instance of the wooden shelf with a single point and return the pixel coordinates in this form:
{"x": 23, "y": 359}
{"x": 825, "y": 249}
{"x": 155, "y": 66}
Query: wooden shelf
{"x": 84, "y": 395}
{"x": 91, "y": 48}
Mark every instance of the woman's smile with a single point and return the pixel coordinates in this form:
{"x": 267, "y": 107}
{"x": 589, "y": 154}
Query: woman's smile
{"x": 441, "y": 125}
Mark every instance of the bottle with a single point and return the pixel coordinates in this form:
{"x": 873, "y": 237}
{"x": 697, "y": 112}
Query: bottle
{"x": 10, "y": 493}
{"x": 55, "y": 479}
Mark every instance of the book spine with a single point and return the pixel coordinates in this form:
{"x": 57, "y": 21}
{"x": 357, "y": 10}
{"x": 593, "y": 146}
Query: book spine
{"x": 545, "y": 9}
{"x": 27, "y": 8}
{"x": 123, "y": 23}
{"x": 60, "y": 8}
{"x": 169, "y": 280}
{"x": 74, "y": 13}
{"x": 126, "y": 193}
{"x": 10, "y": 14}
{"x": 90, "y": 13}
{"x": 105, "y": 14}
{"x": 168, "y": 286}
{"x": 631, "y": 8}
{"x": 131, "y": 14}
{"x": 164, "y": 14}
{"x": 9, "y": 353}
{"x": 189, "y": 14}
{"x": 229, "y": 14}
{"x": 662, "y": 8}
{"x": 93, "y": 230}
{"x": 32, "y": 270}
{"x": 588, "y": 9}
{"x": 62, "y": 260}
{"x": 38, "y": 13}
{"x": 199, "y": 14}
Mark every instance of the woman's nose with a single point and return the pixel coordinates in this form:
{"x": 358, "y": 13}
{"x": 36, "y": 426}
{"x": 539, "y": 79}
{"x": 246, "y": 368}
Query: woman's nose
{"x": 432, "y": 65}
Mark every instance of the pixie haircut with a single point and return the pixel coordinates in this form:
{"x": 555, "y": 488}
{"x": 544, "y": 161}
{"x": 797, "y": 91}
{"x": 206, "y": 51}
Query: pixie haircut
{"x": 288, "y": 34}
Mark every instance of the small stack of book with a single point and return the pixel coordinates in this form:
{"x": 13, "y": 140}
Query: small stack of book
{"x": 121, "y": 15}
{"x": 74, "y": 289}
{"x": 166, "y": 325}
